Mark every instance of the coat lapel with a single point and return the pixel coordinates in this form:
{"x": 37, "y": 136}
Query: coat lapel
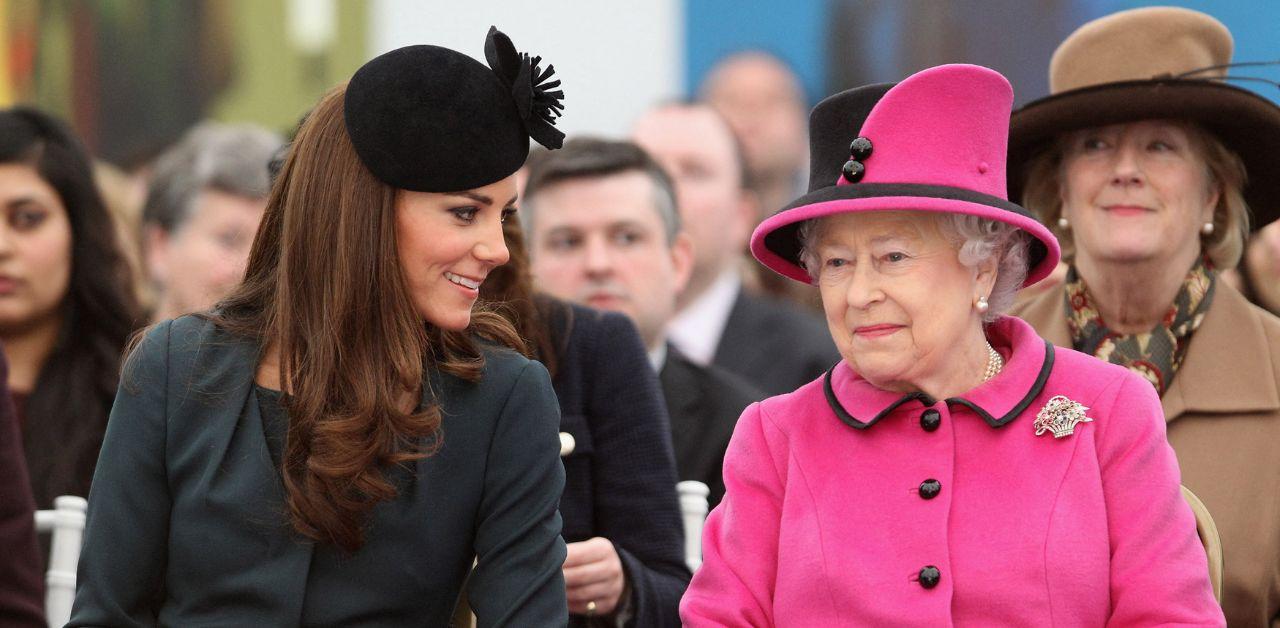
{"x": 739, "y": 343}
{"x": 859, "y": 404}
{"x": 220, "y": 445}
{"x": 684, "y": 399}
{"x": 1229, "y": 348}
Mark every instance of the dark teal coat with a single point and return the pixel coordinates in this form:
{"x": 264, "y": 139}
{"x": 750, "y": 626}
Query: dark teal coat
{"x": 187, "y": 523}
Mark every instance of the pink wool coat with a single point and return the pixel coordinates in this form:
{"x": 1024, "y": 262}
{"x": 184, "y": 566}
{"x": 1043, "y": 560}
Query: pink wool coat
{"x": 827, "y": 521}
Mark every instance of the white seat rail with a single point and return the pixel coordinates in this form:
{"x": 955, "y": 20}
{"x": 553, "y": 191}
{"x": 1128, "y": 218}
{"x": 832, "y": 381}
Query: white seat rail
{"x": 65, "y": 523}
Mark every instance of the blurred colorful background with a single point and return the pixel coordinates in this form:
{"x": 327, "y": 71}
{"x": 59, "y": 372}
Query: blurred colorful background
{"x": 132, "y": 75}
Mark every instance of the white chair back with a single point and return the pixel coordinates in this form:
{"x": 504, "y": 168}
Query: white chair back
{"x": 66, "y": 523}
{"x": 693, "y": 509}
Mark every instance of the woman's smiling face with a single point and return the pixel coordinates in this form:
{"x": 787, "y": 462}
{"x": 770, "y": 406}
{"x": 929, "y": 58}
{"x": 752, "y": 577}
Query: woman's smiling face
{"x": 448, "y": 243}
{"x": 897, "y": 299}
{"x": 1136, "y": 192}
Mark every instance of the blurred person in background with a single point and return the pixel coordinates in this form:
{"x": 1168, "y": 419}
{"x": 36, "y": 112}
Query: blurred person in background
{"x": 1146, "y": 165}
{"x": 773, "y": 344}
{"x": 345, "y": 435}
{"x": 66, "y": 301}
{"x": 124, "y": 193}
{"x": 21, "y": 578}
{"x": 205, "y": 199}
{"x": 1258, "y": 275}
{"x": 604, "y": 231}
{"x": 763, "y": 102}
{"x": 625, "y": 563}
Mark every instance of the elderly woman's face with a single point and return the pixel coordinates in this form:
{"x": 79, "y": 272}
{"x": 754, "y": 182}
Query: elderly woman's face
{"x": 204, "y": 257}
{"x": 897, "y": 299}
{"x": 1136, "y": 192}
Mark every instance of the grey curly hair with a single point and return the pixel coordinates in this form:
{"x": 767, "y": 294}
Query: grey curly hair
{"x": 976, "y": 241}
{"x": 231, "y": 158}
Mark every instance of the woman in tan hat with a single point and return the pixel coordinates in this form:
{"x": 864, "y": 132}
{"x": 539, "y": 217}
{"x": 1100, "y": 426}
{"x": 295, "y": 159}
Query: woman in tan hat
{"x": 1146, "y": 164}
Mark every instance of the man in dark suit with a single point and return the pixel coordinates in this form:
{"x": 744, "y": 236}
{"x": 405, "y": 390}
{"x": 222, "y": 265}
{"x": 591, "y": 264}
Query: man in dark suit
{"x": 704, "y": 403}
{"x": 776, "y": 345}
{"x": 603, "y": 231}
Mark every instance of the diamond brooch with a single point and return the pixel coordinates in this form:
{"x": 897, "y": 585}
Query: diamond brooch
{"x": 1060, "y": 416}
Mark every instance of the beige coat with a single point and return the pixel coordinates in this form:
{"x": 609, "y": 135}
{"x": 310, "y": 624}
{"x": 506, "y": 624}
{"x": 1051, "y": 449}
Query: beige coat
{"x": 1223, "y": 414}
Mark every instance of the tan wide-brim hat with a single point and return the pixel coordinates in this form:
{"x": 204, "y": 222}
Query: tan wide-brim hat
{"x": 1146, "y": 64}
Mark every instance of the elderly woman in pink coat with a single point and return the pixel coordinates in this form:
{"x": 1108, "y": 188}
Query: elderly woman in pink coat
{"x": 954, "y": 468}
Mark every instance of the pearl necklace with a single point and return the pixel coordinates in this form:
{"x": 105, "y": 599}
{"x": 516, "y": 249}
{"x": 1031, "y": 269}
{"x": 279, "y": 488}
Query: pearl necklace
{"x": 994, "y": 363}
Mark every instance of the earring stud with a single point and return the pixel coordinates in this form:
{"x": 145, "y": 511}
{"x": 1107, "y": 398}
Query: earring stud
{"x": 982, "y": 306}
{"x": 1063, "y": 223}
{"x": 1207, "y": 229}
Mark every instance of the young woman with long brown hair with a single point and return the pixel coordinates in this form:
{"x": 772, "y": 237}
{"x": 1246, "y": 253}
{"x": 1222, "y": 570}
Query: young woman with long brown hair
{"x": 336, "y": 440}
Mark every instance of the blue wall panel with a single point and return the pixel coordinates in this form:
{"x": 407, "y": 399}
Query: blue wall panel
{"x": 794, "y": 30}
{"x": 1016, "y": 40}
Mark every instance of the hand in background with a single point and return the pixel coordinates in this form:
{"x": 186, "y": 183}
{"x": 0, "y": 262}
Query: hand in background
{"x": 593, "y": 572}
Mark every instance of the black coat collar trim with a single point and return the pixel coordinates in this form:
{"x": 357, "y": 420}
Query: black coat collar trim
{"x": 926, "y": 400}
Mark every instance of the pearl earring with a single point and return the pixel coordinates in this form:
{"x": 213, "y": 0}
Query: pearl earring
{"x": 1063, "y": 223}
{"x": 982, "y": 306}
{"x": 1207, "y": 229}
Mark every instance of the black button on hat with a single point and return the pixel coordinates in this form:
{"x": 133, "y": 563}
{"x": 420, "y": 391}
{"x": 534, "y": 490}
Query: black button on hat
{"x": 930, "y": 420}
{"x": 930, "y": 131}
{"x": 860, "y": 148}
{"x": 853, "y": 171}
{"x": 929, "y": 577}
{"x": 930, "y": 488}
{"x": 430, "y": 119}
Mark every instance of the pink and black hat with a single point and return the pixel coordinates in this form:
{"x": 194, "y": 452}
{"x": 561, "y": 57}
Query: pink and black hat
{"x": 935, "y": 142}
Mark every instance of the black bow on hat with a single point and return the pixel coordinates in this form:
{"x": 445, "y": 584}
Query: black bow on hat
{"x": 530, "y": 87}
{"x": 431, "y": 119}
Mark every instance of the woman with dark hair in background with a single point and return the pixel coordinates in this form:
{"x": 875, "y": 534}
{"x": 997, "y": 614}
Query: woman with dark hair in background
{"x": 625, "y": 563}
{"x": 66, "y": 301}
{"x": 337, "y": 440}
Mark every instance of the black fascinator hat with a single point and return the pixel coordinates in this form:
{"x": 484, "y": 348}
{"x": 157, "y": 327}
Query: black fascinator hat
{"x": 431, "y": 119}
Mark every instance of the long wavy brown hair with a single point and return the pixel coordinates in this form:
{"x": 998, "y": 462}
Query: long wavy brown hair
{"x": 324, "y": 291}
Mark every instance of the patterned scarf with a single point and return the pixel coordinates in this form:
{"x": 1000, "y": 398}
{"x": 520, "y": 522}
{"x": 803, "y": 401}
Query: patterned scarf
{"x": 1155, "y": 355}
